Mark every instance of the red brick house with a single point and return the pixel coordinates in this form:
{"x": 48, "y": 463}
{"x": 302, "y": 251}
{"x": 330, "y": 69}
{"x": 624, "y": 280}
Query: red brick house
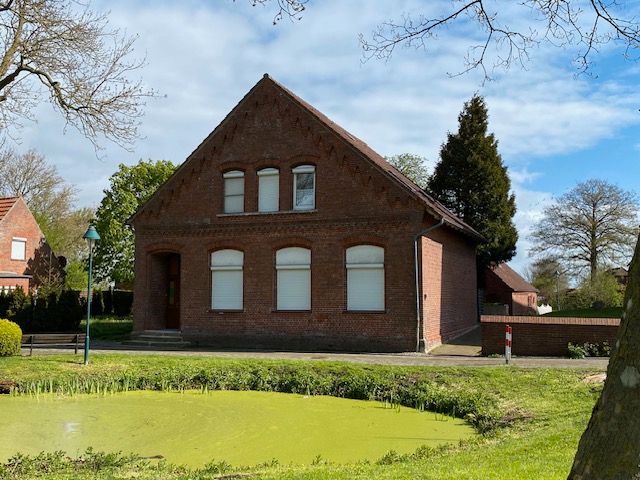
{"x": 284, "y": 230}
{"x": 26, "y": 260}
{"x": 505, "y": 286}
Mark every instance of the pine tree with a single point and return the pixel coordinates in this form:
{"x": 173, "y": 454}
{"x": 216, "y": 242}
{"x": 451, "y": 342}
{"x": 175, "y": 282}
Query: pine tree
{"x": 472, "y": 182}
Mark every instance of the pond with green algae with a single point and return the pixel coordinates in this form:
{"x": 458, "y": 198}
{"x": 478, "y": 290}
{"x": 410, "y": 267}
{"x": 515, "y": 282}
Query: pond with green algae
{"x": 239, "y": 427}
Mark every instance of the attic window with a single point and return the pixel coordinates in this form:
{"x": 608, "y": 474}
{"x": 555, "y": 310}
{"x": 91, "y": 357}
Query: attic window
{"x": 18, "y": 248}
{"x": 268, "y": 190}
{"x": 234, "y": 191}
{"x": 304, "y": 187}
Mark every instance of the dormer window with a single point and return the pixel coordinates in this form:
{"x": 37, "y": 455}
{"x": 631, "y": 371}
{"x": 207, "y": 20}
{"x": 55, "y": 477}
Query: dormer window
{"x": 234, "y": 191}
{"x": 18, "y": 248}
{"x": 268, "y": 190}
{"x": 304, "y": 187}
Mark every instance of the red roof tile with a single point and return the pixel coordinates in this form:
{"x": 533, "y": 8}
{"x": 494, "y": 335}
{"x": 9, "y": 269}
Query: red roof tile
{"x": 5, "y": 205}
{"x": 512, "y": 279}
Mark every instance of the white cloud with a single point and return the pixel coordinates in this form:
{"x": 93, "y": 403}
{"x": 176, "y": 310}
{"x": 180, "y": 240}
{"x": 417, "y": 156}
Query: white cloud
{"x": 205, "y": 56}
{"x": 530, "y": 207}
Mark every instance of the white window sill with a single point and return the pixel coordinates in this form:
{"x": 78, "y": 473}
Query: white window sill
{"x": 253, "y": 214}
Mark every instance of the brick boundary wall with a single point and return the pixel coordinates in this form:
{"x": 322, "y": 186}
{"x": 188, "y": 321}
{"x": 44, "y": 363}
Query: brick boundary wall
{"x": 545, "y": 336}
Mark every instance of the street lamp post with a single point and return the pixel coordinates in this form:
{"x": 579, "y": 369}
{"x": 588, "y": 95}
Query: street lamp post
{"x": 91, "y": 236}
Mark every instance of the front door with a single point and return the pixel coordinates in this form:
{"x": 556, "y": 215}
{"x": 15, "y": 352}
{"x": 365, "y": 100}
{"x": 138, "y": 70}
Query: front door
{"x": 172, "y": 314}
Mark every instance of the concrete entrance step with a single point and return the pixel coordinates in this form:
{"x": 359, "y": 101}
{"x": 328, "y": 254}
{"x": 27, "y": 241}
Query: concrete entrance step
{"x": 163, "y": 339}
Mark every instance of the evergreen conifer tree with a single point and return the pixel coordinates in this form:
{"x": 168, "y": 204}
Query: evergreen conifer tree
{"x": 472, "y": 182}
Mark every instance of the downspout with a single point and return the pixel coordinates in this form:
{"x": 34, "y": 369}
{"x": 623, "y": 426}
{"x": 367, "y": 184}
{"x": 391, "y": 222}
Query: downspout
{"x": 417, "y": 268}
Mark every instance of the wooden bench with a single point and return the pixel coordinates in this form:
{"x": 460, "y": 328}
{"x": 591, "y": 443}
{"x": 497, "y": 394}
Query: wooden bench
{"x": 53, "y": 339}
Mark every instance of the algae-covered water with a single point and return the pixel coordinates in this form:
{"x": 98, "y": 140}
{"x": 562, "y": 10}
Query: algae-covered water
{"x": 242, "y": 428}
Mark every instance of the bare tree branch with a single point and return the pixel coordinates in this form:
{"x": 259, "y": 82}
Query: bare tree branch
{"x": 594, "y": 224}
{"x": 62, "y": 52}
{"x": 563, "y": 22}
{"x": 291, "y": 9}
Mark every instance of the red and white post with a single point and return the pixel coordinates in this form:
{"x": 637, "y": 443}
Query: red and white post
{"x": 507, "y": 344}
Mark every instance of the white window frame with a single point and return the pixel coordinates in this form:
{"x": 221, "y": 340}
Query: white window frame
{"x": 21, "y": 241}
{"x": 263, "y": 176}
{"x": 367, "y": 260}
{"x": 298, "y": 170}
{"x": 227, "y": 261}
{"x": 233, "y": 174}
{"x": 297, "y": 262}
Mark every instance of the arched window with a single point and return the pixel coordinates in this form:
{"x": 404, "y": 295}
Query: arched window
{"x": 293, "y": 278}
{"x": 365, "y": 278}
{"x": 226, "y": 280}
{"x": 234, "y": 191}
{"x": 304, "y": 187}
{"x": 268, "y": 190}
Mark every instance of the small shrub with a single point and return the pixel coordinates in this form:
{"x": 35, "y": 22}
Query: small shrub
{"x": 10, "y": 338}
{"x": 576, "y": 351}
{"x": 597, "y": 349}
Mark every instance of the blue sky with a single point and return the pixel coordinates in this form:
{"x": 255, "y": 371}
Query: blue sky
{"x": 555, "y": 128}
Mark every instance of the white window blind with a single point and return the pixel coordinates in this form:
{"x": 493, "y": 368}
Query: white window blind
{"x": 293, "y": 269}
{"x": 268, "y": 190}
{"x": 227, "y": 280}
{"x": 19, "y": 249}
{"x": 234, "y": 192}
{"x": 365, "y": 278}
{"x": 304, "y": 187}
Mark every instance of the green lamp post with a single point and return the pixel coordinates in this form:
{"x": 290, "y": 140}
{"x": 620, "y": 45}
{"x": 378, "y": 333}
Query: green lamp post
{"x": 91, "y": 236}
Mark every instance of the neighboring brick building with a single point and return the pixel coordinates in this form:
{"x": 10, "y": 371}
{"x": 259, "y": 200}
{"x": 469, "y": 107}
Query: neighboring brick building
{"x": 505, "y": 286}
{"x": 283, "y": 230}
{"x": 26, "y": 260}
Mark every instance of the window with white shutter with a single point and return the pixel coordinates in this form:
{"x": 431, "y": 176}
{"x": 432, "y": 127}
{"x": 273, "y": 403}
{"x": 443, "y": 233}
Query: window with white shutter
{"x": 365, "y": 278}
{"x": 234, "y": 192}
{"x": 19, "y": 249}
{"x": 268, "y": 190}
{"x": 226, "y": 280}
{"x": 304, "y": 187}
{"x": 293, "y": 278}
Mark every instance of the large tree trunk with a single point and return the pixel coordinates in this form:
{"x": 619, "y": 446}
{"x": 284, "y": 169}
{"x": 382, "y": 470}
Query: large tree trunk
{"x": 610, "y": 447}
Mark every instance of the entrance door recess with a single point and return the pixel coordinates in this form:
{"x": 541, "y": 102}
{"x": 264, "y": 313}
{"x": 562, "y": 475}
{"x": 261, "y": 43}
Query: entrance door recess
{"x": 172, "y": 312}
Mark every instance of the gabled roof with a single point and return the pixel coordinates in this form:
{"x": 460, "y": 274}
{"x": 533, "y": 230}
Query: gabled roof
{"x": 512, "y": 279}
{"x": 435, "y": 208}
{"x": 6, "y": 203}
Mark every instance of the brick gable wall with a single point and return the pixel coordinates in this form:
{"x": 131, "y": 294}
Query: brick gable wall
{"x": 20, "y": 223}
{"x": 355, "y": 204}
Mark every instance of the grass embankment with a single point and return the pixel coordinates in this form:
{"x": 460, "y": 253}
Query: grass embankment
{"x": 531, "y": 418}
{"x": 608, "y": 312}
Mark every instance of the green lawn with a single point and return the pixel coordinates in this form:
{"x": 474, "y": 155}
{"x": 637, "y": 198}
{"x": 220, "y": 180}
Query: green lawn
{"x": 109, "y": 327}
{"x": 533, "y": 417}
{"x": 608, "y": 312}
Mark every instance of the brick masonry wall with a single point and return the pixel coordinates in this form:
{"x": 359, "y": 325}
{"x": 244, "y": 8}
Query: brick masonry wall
{"x": 356, "y": 203}
{"x": 15, "y": 282}
{"x": 449, "y": 297}
{"x": 19, "y": 222}
{"x": 524, "y": 303}
{"x": 545, "y": 336}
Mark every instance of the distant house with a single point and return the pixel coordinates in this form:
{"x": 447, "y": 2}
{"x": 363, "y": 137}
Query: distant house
{"x": 26, "y": 260}
{"x": 621, "y": 275}
{"x": 284, "y": 230}
{"x": 505, "y": 286}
